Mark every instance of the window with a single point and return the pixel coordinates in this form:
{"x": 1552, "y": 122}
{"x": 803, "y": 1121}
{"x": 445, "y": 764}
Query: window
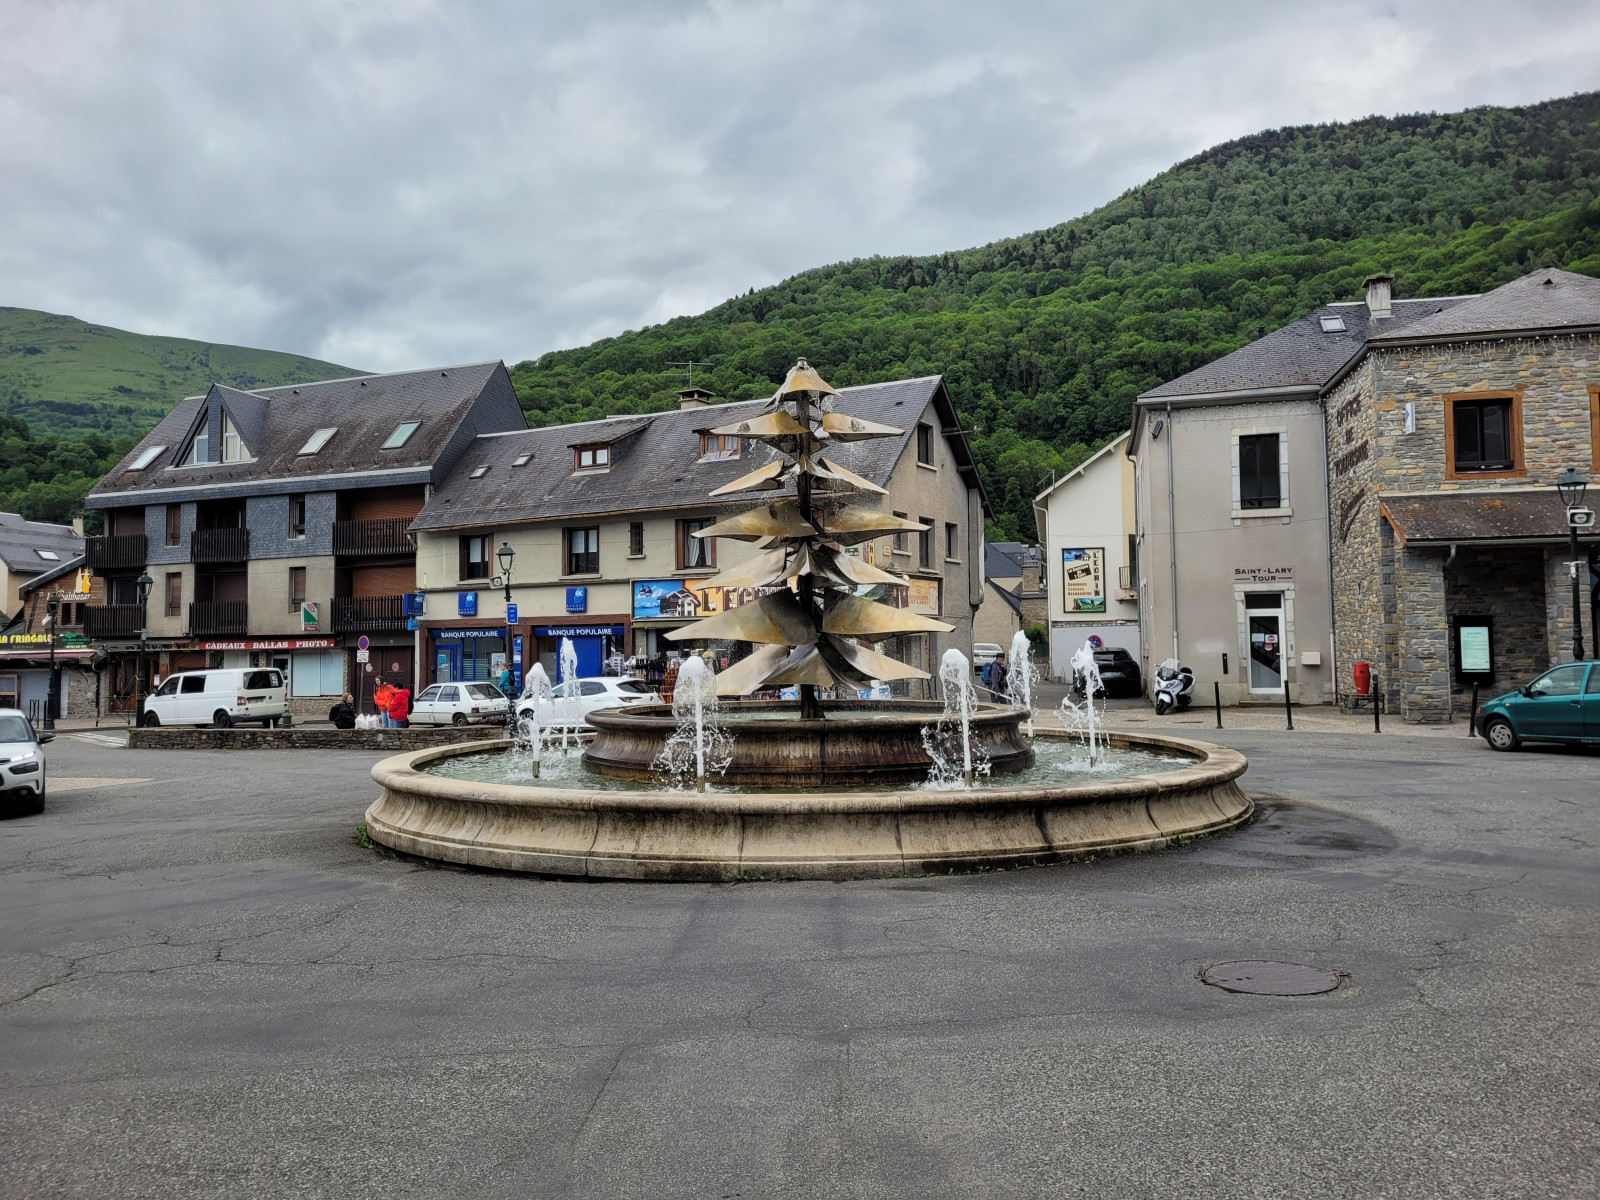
{"x": 200, "y": 448}
{"x": 233, "y": 447}
{"x": 401, "y": 435}
{"x": 925, "y": 545}
{"x": 952, "y": 540}
{"x": 718, "y": 445}
{"x": 475, "y": 557}
{"x": 174, "y": 524}
{"x": 297, "y": 516}
{"x": 317, "y": 672}
{"x": 925, "y": 445}
{"x": 318, "y": 440}
{"x": 193, "y": 684}
{"x": 478, "y": 472}
{"x": 590, "y": 458}
{"x": 521, "y": 460}
{"x": 146, "y": 457}
{"x": 583, "y": 551}
{"x": 169, "y": 688}
{"x": 1565, "y": 680}
{"x": 1333, "y": 324}
{"x": 1258, "y": 471}
{"x": 1483, "y": 435}
{"x": 695, "y": 552}
{"x": 297, "y": 588}
{"x": 174, "y": 593}
{"x": 900, "y": 537}
{"x": 636, "y": 539}
{"x": 48, "y": 555}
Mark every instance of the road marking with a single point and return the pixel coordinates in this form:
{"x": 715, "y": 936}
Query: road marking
{"x": 120, "y": 741}
{"x": 78, "y": 783}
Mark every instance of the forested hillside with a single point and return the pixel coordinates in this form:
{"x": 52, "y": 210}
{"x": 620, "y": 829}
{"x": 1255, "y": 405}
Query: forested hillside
{"x": 1045, "y": 339}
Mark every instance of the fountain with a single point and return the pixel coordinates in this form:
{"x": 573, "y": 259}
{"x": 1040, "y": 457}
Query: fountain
{"x": 724, "y": 785}
{"x": 1021, "y": 676}
{"x": 567, "y": 671}
{"x": 1082, "y": 718}
{"x": 529, "y": 736}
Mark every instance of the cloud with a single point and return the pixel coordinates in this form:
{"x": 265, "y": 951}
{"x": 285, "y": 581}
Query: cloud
{"x": 413, "y": 182}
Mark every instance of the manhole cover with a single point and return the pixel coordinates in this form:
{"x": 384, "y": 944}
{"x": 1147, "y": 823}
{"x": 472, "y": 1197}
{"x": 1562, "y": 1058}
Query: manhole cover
{"x": 1270, "y": 978}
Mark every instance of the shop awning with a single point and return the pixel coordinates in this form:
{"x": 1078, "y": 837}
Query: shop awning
{"x": 1504, "y": 518}
{"x": 43, "y": 656}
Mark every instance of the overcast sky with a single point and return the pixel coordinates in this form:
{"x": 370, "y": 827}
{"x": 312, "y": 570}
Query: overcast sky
{"x": 401, "y": 183}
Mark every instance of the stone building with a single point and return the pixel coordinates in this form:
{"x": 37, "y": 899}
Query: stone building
{"x": 1445, "y": 436}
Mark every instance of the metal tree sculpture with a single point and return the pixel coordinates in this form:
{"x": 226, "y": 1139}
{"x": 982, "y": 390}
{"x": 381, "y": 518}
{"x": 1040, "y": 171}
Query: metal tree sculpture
{"x": 811, "y": 630}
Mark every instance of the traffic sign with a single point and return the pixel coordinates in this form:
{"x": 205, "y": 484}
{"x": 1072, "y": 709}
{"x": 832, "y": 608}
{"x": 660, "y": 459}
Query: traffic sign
{"x": 363, "y": 643}
{"x": 363, "y": 655}
{"x": 511, "y": 614}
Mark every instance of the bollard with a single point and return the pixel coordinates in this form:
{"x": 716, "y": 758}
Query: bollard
{"x": 1216, "y": 688}
{"x": 1287, "y": 710}
{"x": 1472, "y": 716}
{"x": 1377, "y": 703}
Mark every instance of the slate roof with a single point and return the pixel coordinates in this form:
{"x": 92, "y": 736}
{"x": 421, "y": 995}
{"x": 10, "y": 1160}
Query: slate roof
{"x": 1003, "y": 560}
{"x": 1545, "y": 300}
{"x": 1301, "y": 355}
{"x": 1479, "y": 517}
{"x": 656, "y": 461}
{"x": 276, "y": 422}
{"x": 21, "y": 541}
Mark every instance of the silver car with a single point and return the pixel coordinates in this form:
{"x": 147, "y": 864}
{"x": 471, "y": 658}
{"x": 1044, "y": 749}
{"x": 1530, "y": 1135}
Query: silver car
{"x": 22, "y": 768}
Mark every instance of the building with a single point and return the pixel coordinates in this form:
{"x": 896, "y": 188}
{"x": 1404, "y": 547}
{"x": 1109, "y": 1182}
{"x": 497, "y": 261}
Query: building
{"x": 1446, "y": 434}
{"x": 28, "y": 549}
{"x": 598, "y": 519}
{"x": 1014, "y": 595}
{"x": 273, "y": 526}
{"x": 1086, "y": 524}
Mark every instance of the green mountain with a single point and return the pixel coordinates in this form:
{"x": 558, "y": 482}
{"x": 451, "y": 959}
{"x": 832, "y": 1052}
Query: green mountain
{"x": 1046, "y": 338}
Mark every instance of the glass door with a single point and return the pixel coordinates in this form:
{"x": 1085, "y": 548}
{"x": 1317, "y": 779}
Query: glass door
{"x": 1264, "y": 612}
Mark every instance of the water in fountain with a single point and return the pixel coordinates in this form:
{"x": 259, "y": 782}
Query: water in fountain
{"x": 700, "y": 747}
{"x": 1021, "y": 676}
{"x": 566, "y": 714}
{"x": 527, "y": 733}
{"x": 1082, "y": 717}
{"x": 957, "y": 763}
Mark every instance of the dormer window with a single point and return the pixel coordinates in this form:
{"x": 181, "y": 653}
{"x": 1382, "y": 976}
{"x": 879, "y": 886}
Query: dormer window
{"x": 146, "y": 457}
{"x": 233, "y": 447}
{"x": 318, "y": 440}
{"x": 714, "y": 446}
{"x": 401, "y": 435}
{"x": 591, "y": 458}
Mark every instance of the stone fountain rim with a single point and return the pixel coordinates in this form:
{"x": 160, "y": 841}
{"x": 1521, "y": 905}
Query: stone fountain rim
{"x": 652, "y": 716}
{"x": 401, "y": 773}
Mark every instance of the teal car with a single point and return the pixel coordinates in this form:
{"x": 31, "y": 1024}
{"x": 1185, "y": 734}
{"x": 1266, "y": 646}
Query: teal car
{"x": 1562, "y": 705}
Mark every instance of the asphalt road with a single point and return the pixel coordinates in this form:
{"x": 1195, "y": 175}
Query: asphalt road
{"x": 208, "y": 989}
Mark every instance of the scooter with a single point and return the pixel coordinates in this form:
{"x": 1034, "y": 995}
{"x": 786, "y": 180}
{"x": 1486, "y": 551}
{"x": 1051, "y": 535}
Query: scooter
{"x": 1174, "y": 686}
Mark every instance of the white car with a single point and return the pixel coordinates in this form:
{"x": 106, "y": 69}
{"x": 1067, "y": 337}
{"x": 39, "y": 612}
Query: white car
{"x": 219, "y": 697}
{"x": 984, "y": 653}
{"x": 460, "y": 704}
{"x": 21, "y": 764}
{"x": 601, "y": 691}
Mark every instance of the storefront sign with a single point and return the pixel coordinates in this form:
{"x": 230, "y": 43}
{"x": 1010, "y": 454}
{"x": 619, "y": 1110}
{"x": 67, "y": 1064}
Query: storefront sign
{"x": 310, "y": 617}
{"x": 1262, "y": 574}
{"x": 922, "y": 596}
{"x": 559, "y": 631}
{"x": 299, "y": 643}
{"x": 577, "y": 599}
{"x": 688, "y": 598}
{"x": 466, "y": 604}
{"x": 440, "y": 635}
{"x": 25, "y": 639}
{"x": 1083, "y": 580}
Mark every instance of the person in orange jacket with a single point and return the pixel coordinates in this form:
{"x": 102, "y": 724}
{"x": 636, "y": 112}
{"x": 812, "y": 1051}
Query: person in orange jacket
{"x": 382, "y": 696}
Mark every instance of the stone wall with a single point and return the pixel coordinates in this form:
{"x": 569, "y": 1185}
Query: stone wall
{"x": 392, "y": 741}
{"x": 1507, "y": 584}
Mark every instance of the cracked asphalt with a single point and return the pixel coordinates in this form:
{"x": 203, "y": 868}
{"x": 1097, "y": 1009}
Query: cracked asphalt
{"x": 207, "y": 988}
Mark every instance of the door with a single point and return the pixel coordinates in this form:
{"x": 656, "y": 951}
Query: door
{"x": 422, "y": 710}
{"x": 1553, "y": 707}
{"x": 445, "y": 705}
{"x": 164, "y": 702}
{"x": 1591, "y": 703}
{"x": 1264, "y": 614}
{"x": 192, "y": 701}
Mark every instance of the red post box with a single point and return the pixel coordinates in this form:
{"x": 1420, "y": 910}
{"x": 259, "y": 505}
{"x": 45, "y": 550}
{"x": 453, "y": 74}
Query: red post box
{"x": 1363, "y": 677}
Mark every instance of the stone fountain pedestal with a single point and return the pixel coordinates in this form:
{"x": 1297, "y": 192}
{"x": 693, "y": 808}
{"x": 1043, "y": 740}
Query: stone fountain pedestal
{"x": 877, "y": 744}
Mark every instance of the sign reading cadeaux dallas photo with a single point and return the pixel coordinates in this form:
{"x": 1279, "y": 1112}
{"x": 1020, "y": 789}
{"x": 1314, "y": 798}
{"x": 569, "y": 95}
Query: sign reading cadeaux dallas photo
{"x": 1083, "y": 580}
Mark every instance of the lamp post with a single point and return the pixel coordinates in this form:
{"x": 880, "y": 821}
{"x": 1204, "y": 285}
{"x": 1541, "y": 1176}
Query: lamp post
{"x": 1571, "y": 487}
{"x": 54, "y": 605}
{"x": 144, "y": 583}
{"x": 504, "y": 556}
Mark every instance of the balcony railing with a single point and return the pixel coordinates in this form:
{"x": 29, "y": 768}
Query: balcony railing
{"x": 114, "y": 553}
{"x": 220, "y": 618}
{"x": 103, "y": 621}
{"x": 219, "y": 545}
{"x": 385, "y": 536}
{"x": 368, "y": 614}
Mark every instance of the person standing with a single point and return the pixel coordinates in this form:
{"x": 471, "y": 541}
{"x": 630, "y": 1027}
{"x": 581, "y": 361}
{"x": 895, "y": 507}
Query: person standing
{"x": 994, "y": 677}
{"x": 382, "y": 694}
{"x": 505, "y": 679}
{"x": 400, "y": 706}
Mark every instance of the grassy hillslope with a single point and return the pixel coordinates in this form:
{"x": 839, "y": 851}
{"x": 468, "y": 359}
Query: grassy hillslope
{"x": 1045, "y": 339}
{"x": 66, "y": 376}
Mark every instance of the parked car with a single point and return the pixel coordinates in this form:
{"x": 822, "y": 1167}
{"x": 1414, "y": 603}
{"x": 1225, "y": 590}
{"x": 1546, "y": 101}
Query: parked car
{"x": 1119, "y": 674}
{"x": 601, "y": 691}
{"x": 1562, "y": 705}
{"x": 219, "y": 697}
{"x": 984, "y": 653}
{"x": 460, "y": 704}
{"x": 22, "y": 767}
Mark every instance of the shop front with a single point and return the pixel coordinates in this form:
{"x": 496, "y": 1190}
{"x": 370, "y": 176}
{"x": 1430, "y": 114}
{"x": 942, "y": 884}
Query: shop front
{"x": 458, "y": 654}
{"x": 600, "y": 648}
{"x": 25, "y": 673}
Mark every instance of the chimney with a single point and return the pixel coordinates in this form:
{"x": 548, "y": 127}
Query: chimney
{"x": 1378, "y": 296}
{"x": 694, "y": 397}
{"x": 77, "y": 526}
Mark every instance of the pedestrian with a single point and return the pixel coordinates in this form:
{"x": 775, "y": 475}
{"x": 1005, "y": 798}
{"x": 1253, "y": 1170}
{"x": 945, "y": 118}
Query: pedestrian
{"x": 382, "y": 694}
{"x": 505, "y": 679}
{"x": 343, "y": 714}
{"x": 994, "y": 676}
{"x": 400, "y": 707}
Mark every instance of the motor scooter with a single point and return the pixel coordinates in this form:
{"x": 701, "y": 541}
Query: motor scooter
{"x": 1174, "y": 686}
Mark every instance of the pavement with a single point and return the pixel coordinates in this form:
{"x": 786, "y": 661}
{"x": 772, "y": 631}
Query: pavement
{"x": 208, "y": 988}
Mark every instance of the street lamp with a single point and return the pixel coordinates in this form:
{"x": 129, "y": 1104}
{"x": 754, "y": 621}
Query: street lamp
{"x": 1570, "y": 487}
{"x": 50, "y": 702}
{"x": 505, "y": 554}
{"x": 144, "y": 583}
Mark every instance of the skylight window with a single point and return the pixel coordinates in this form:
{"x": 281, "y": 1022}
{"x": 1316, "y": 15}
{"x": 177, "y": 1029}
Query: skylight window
{"x": 521, "y": 460}
{"x": 146, "y": 457}
{"x": 401, "y": 435}
{"x": 48, "y": 555}
{"x": 478, "y": 472}
{"x": 1333, "y": 324}
{"x": 318, "y": 440}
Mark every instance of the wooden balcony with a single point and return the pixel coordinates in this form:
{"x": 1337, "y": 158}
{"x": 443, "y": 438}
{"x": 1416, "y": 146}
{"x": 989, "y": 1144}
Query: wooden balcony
{"x": 388, "y": 536}
{"x": 219, "y": 545}
{"x": 222, "y": 618}
{"x": 103, "y": 622}
{"x": 368, "y": 614}
{"x": 121, "y": 552}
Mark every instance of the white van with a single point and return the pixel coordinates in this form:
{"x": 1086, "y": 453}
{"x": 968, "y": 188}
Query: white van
{"x": 219, "y": 697}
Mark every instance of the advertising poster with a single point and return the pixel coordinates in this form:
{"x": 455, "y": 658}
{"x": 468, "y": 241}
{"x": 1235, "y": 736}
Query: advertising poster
{"x": 688, "y": 599}
{"x": 1083, "y": 580}
{"x": 922, "y": 596}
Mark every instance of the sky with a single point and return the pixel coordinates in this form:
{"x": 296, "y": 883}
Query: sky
{"x": 390, "y": 184}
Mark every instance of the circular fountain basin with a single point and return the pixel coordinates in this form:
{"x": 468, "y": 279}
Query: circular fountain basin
{"x": 878, "y": 745}
{"x": 640, "y": 833}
